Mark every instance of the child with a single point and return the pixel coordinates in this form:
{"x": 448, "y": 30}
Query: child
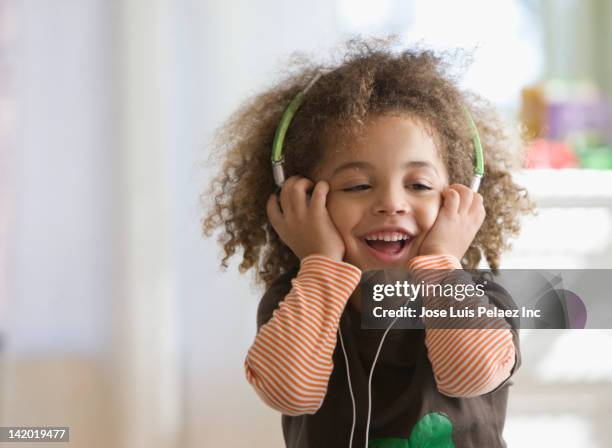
{"x": 378, "y": 157}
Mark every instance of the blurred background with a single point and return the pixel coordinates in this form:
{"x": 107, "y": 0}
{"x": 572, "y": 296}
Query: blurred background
{"x": 115, "y": 318}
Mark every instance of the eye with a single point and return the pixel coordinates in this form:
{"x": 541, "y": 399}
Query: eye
{"x": 419, "y": 186}
{"x": 360, "y": 187}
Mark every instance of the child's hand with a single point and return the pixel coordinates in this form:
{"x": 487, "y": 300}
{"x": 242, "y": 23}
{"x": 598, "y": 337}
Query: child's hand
{"x": 458, "y": 221}
{"x": 304, "y": 223}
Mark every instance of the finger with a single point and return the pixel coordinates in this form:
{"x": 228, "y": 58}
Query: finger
{"x": 299, "y": 194}
{"x": 273, "y": 210}
{"x": 285, "y": 196}
{"x": 303, "y": 183}
{"x": 477, "y": 208}
{"x": 465, "y": 197}
{"x": 275, "y": 215}
{"x": 451, "y": 200}
{"x": 318, "y": 200}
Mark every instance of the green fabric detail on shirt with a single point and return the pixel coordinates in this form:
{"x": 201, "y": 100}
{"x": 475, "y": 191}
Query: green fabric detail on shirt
{"x": 433, "y": 430}
{"x": 388, "y": 443}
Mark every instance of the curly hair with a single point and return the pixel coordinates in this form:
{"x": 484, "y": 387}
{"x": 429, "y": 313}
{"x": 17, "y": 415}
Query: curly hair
{"x": 370, "y": 78}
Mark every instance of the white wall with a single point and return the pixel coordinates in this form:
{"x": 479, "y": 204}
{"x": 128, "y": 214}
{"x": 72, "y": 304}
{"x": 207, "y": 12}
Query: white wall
{"x": 61, "y": 217}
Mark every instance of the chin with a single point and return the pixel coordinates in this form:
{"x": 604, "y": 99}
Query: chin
{"x": 373, "y": 265}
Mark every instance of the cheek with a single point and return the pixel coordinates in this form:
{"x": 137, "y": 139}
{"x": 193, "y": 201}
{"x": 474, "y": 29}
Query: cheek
{"x": 342, "y": 214}
{"x": 427, "y": 213}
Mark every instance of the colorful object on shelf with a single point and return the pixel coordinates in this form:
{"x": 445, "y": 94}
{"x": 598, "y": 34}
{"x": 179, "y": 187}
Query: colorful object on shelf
{"x": 555, "y": 109}
{"x": 569, "y": 121}
{"x": 550, "y": 154}
{"x": 533, "y": 112}
{"x": 596, "y": 157}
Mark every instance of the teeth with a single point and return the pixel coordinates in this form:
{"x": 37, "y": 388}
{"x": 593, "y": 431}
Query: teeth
{"x": 395, "y": 236}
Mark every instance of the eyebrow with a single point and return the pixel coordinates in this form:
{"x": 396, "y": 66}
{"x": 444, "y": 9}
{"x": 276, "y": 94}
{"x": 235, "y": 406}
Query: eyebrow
{"x": 367, "y": 166}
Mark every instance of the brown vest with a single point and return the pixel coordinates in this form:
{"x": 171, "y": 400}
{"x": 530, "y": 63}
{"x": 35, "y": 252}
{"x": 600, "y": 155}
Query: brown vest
{"x": 406, "y": 405}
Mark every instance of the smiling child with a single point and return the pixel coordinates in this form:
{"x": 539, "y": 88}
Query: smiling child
{"x": 379, "y": 157}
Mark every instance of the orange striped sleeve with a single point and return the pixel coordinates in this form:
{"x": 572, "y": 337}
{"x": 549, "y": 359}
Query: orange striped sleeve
{"x": 290, "y": 360}
{"x": 466, "y": 362}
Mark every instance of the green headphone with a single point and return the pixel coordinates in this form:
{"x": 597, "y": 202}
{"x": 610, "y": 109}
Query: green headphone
{"x": 279, "y": 137}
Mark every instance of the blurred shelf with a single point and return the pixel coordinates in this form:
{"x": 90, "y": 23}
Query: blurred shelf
{"x": 568, "y": 187}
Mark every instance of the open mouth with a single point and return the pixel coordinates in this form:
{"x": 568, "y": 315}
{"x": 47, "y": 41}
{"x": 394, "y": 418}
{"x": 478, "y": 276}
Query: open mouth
{"x": 388, "y": 247}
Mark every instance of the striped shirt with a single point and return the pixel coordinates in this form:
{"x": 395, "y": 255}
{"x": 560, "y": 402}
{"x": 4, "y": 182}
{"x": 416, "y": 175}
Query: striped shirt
{"x": 290, "y": 361}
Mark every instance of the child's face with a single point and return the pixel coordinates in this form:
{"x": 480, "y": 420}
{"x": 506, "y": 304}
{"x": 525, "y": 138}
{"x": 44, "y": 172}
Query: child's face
{"x": 384, "y": 185}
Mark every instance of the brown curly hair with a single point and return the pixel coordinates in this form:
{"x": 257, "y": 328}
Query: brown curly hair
{"x": 370, "y": 78}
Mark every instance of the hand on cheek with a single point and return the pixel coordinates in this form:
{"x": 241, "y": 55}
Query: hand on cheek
{"x": 304, "y": 223}
{"x": 461, "y": 215}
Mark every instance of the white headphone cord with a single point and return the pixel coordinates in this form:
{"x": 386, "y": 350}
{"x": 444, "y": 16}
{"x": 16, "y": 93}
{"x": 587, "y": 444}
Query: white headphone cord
{"x": 349, "y": 384}
{"x": 382, "y": 340}
{"x": 369, "y": 381}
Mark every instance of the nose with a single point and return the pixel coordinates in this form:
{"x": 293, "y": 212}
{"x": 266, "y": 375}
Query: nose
{"x": 391, "y": 200}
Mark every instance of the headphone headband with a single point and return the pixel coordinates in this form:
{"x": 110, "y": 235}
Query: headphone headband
{"x": 279, "y": 138}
